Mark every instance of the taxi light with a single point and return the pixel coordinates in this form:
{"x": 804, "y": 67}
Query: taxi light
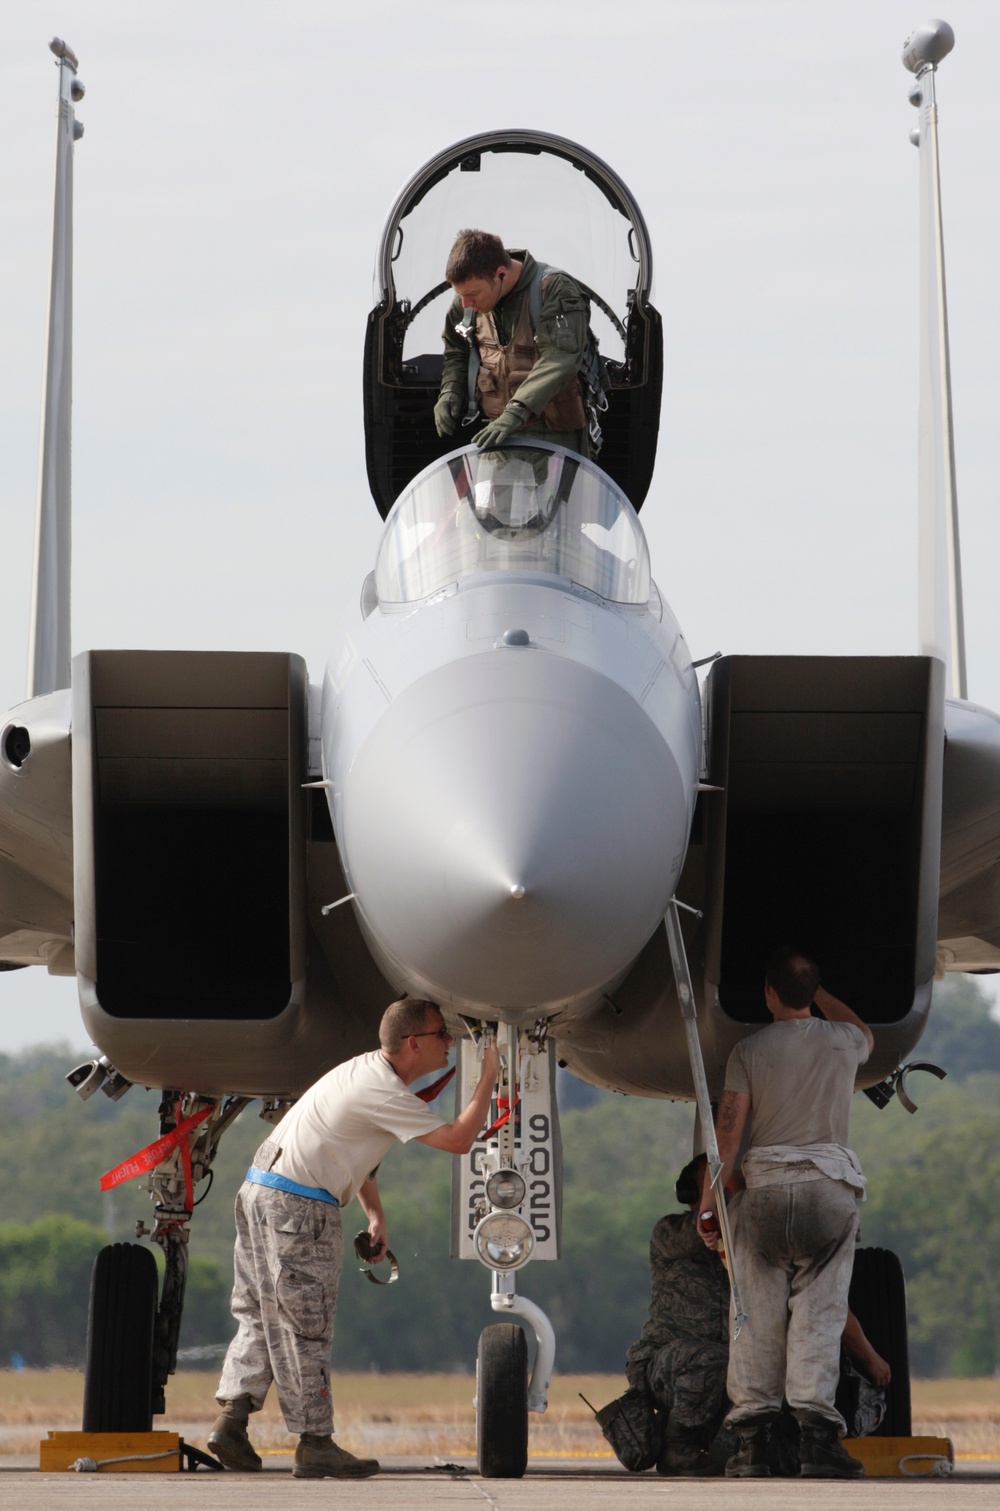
{"x": 504, "y": 1241}
{"x": 505, "y": 1188}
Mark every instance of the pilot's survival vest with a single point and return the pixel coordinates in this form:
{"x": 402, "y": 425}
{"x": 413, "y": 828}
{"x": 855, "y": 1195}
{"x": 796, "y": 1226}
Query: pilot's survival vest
{"x": 502, "y": 369}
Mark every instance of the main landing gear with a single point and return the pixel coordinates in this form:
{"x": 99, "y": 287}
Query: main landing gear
{"x": 132, "y": 1333}
{"x": 878, "y": 1300}
{"x": 118, "y": 1383}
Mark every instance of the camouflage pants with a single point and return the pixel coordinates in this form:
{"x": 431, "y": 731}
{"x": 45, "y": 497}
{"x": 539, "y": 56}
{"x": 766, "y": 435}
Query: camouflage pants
{"x": 287, "y": 1263}
{"x": 688, "y": 1381}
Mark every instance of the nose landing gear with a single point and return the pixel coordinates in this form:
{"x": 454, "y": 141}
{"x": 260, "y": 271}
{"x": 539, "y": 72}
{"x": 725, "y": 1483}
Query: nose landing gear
{"x": 506, "y": 1209}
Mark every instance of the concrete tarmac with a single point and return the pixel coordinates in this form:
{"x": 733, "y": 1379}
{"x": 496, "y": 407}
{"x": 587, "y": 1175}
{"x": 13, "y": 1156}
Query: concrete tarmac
{"x": 549, "y": 1485}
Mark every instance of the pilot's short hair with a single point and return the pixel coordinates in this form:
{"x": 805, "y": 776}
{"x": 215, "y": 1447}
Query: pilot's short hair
{"x": 402, "y": 1018}
{"x": 793, "y": 976}
{"x": 476, "y": 254}
{"x": 688, "y": 1187}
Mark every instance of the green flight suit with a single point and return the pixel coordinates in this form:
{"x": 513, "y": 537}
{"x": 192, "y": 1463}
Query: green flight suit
{"x": 561, "y": 340}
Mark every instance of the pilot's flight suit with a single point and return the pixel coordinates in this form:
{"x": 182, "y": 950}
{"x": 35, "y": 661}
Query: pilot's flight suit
{"x": 538, "y": 368}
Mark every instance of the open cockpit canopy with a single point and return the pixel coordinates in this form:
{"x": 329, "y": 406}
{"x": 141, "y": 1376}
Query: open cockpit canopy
{"x": 520, "y": 509}
{"x": 571, "y": 211}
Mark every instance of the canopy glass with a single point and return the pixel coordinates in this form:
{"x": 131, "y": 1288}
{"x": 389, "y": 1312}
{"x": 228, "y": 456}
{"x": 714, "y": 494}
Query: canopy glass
{"x": 538, "y": 201}
{"x": 523, "y": 509}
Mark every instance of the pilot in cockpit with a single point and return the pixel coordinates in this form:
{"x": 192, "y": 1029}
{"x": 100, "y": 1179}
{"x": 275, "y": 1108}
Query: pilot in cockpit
{"x": 518, "y": 349}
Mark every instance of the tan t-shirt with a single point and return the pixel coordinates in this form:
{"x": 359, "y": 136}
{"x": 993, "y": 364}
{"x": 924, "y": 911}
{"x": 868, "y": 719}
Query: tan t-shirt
{"x": 800, "y": 1076}
{"x": 341, "y": 1128}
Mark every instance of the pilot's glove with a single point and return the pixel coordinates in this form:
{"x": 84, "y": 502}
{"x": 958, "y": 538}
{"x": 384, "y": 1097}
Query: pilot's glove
{"x": 512, "y": 418}
{"x": 448, "y": 412}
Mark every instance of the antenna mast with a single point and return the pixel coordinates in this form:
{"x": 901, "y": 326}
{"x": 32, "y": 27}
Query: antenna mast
{"x": 49, "y": 635}
{"x": 940, "y": 619}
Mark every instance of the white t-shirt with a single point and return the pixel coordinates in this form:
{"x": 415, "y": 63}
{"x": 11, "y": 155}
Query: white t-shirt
{"x": 800, "y": 1074}
{"x": 342, "y": 1127}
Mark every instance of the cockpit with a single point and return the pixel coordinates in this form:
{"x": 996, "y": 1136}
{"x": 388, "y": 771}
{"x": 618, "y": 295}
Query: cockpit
{"x": 572, "y": 212}
{"x": 521, "y": 509}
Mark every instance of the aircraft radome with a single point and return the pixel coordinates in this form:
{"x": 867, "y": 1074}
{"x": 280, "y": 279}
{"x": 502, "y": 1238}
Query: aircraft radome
{"x": 507, "y": 791}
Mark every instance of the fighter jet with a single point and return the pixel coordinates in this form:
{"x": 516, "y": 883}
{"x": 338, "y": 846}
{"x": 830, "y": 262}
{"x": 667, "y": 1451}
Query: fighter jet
{"x": 509, "y": 792}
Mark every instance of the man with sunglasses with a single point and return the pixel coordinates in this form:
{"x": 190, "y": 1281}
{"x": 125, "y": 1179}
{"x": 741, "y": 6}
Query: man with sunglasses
{"x": 289, "y": 1242}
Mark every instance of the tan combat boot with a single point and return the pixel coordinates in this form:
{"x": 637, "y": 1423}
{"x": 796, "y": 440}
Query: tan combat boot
{"x": 228, "y": 1439}
{"x": 318, "y": 1458}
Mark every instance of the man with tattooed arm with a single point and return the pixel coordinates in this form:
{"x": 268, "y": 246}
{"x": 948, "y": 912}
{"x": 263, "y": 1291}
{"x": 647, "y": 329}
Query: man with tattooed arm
{"x": 795, "y": 1228}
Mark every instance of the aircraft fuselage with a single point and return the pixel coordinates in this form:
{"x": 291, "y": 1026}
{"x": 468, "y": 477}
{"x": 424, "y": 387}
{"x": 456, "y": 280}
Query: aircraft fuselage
{"x": 514, "y": 764}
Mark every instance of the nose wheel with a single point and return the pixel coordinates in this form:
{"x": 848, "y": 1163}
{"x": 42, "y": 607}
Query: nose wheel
{"x": 509, "y": 1213}
{"x": 502, "y": 1402}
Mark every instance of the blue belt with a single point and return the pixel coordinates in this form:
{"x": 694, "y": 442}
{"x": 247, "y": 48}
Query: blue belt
{"x": 281, "y": 1183}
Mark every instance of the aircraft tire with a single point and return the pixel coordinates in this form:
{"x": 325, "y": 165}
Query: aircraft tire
{"x": 878, "y": 1300}
{"x": 502, "y": 1402}
{"x": 118, "y": 1380}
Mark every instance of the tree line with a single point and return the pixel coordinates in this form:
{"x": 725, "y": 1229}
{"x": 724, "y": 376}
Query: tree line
{"x": 934, "y": 1197}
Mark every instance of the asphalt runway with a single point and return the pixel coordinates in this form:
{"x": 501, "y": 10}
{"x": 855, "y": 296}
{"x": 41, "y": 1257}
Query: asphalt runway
{"x": 549, "y": 1485}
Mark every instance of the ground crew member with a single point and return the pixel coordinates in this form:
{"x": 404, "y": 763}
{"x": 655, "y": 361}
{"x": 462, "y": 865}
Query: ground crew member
{"x": 289, "y": 1244}
{"x": 526, "y": 375}
{"x": 795, "y": 1229}
{"x": 681, "y": 1356}
{"x": 682, "y": 1353}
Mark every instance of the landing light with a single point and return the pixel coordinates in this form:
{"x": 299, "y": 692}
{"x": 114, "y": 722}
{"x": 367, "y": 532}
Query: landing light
{"x": 505, "y": 1188}
{"x": 504, "y": 1241}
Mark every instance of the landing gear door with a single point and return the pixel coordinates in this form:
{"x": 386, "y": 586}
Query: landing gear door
{"x": 538, "y": 1155}
{"x": 555, "y": 199}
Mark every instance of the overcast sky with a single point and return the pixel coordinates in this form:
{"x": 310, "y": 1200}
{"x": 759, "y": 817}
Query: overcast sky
{"x": 236, "y": 169}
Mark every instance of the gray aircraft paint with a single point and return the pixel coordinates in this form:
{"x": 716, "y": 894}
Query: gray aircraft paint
{"x": 463, "y": 767}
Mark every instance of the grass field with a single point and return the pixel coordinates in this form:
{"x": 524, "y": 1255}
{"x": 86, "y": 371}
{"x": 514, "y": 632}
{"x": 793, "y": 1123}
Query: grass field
{"x": 433, "y": 1414}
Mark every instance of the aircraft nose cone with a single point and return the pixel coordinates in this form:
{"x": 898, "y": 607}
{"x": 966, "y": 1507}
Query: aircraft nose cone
{"x": 513, "y": 826}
